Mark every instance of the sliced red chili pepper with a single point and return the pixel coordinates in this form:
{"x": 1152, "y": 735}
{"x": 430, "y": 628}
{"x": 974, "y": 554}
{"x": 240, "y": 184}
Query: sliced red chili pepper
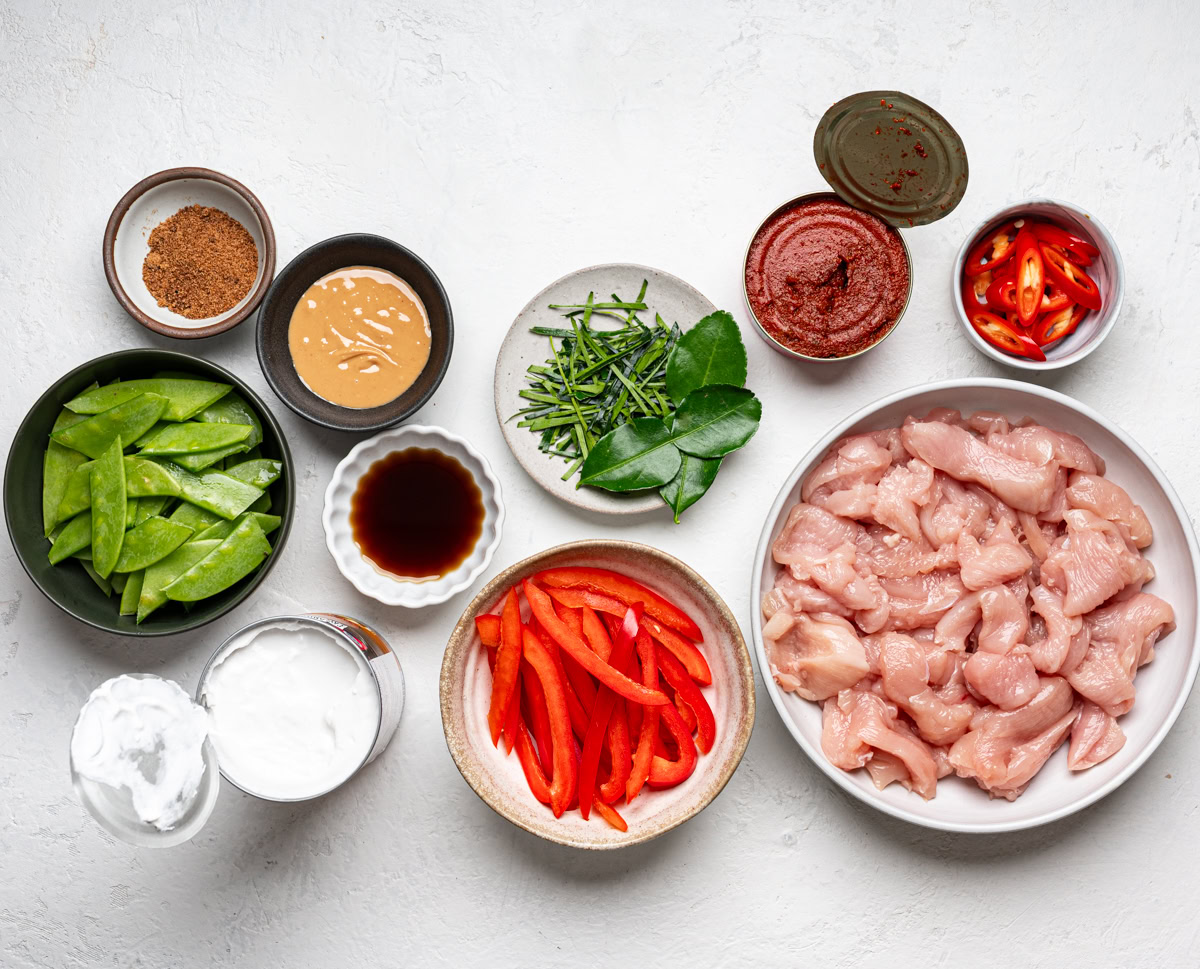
{"x": 605, "y": 701}
{"x": 1002, "y": 335}
{"x": 687, "y": 691}
{"x": 611, "y": 816}
{"x": 685, "y": 651}
{"x": 668, "y": 773}
{"x": 508, "y": 664}
{"x": 993, "y": 250}
{"x": 575, "y": 647}
{"x": 1001, "y": 294}
{"x": 1053, "y": 298}
{"x": 1055, "y": 325}
{"x": 626, "y": 590}
{"x": 534, "y": 774}
{"x": 1070, "y": 278}
{"x": 644, "y": 753}
{"x": 564, "y": 779}
{"x": 1030, "y": 276}
{"x": 1079, "y": 250}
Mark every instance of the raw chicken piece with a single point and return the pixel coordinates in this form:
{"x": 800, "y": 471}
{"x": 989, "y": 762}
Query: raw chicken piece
{"x": 1105, "y": 676}
{"x": 1050, "y": 653}
{"x": 1001, "y": 558}
{"x": 811, "y": 531}
{"x": 1007, "y": 680}
{"x": 1057, "y": 506}
{"x": 1095, "y": 737}
{"x": 1092, "y": 565}
{"x": 958, "y": 622}
{"x": 900, "y": 559}
{"x": 1004, "y": 620}
{"x": 899, "y": 494}
{"x": 885, "y": 769}
{"x": 857, "y": 721}
{"x": 1005, "y": 748}
{"x": 953, "y": 509}
{"x": 1138, "y": 622}
{"x": 942, "y": 415}
{"x": 853, "y": 460}
{"x": 988, "y": 422}
{"x": 1025, "y": 486}
{"x": 889, "y": 440}
{"x": 1041, "y": 445}
{"x": 1034, "y": 533}
{"x": 853, "y": 502}
{"x": 805, "y": 597}
{"x": 817, "y": 657}
{"x": 905, "y": 676}
{"x": 921, "y": 600}
{"x": 1110, "y": 501}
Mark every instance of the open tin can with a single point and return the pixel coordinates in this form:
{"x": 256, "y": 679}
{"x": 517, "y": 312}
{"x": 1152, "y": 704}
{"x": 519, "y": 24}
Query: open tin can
{"x": 372, "y": 654}
{"x": 893, "y": 158}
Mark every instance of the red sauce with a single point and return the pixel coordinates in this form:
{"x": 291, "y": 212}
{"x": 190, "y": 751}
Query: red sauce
{"x": 826, "y": 279}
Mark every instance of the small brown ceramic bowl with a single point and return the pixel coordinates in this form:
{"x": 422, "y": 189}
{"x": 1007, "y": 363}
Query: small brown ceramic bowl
{"x": 466, "y": 685}
{"x": 152, "y": 201}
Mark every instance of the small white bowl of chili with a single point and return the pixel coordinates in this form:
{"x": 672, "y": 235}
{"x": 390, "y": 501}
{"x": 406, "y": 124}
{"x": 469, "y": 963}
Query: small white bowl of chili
{"x": 1098, "y": 257}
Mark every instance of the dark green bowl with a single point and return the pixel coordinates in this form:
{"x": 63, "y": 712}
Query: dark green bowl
{"x": 66, "y": 584}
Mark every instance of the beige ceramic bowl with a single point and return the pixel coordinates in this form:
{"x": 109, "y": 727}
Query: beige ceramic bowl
{"x": 498, "y": 779}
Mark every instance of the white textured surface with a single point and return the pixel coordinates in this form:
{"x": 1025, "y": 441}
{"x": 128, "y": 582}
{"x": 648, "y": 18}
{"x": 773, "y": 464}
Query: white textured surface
{"x": 507, "y": 147}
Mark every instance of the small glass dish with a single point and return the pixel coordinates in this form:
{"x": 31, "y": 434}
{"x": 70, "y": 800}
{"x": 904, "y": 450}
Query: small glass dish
{"x": 113, "y": 809}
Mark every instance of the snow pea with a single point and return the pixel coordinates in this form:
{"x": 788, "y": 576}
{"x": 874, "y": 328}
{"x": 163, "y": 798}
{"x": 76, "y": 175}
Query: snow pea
{"x": 131, "y": 594}
{"x": 215, "y": 491}
{"x": 142, "y": 477}
{"x": 57, "y": 467}
{"x": 150, "y": 506}
{"x": 154, "y": 539}
{"x": 127, "y": 421}
{"x": 194, "y": 438}
{"x": 268, "y": 523}
{"x": 165, "y": 571}
{"x": 207, "y": 459}
{"x": 239, "y": 554}
{"x": 103, "y": 583}
{"x": 131, "y": 512}
{"x": 233, "y": 409}
{"x": 194, "y": 516}
{"x": 109, "y": 506}
{"x": 185, "y": 396}
{"x": 263, "y": 504}
{"x": 262, "y": 473}
{"x": 71, "y": 538}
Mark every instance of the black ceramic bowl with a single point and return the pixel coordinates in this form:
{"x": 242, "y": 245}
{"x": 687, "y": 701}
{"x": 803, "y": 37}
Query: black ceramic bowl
{"x": 354, "y": 249}
{"x": 66, "y": 584}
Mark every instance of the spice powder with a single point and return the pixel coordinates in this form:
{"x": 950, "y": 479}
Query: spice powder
{"x": 201, "y": 263}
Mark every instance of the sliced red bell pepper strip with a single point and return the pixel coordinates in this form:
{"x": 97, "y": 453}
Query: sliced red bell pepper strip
{"x": 648, "y": 729}
{"x": 620, "y": 754}
{"x": 512, "y": 715}
{"x": 1001, "y": 294}
{"x": 1030, "y": 276}
{"x": 534, "y": 774}
{"x": 508, "y": 664}
{"x": 1070, "y": 278}
{"x": 626, "y": 590}
{"x": 575, "y": 647}
{"x": 580, "y": 716}
{"x": 488, "y": 628}
{"x": 611, "y": 816}
{"x": 1079, "y": 250}
{"x": 687, "y": 691}
{"x": 993, "y": 250}
{"x": 1055, "y": 325}
{"x": 565, "y": 775}
{"x": 1004, "y": 336}
{"x": 685, "y": 651}
{"x": 533, "y": 712}
{"x": 605, "y": 701}
{"x": 681, "y": 708}
{"x": 668, "y": 773}
{"x": 595, "y": 633}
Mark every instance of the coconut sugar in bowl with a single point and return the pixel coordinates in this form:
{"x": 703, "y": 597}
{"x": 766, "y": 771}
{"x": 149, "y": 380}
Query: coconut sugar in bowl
{"x": 189, "y": 252}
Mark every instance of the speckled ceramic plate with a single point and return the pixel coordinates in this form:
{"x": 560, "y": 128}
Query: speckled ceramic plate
{"x": 498, "y": 779}
{"x": 673, "y": 299}
{"x": 339, "y": 537}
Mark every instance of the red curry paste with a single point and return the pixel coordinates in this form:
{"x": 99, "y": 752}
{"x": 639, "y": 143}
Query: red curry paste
{"x": 826, "y": 279}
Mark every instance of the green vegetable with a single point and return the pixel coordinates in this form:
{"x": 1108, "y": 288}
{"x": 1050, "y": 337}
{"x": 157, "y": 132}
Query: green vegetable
{"x": 154, "y": 539}
{"x": 108, "y": 508}
{"x": 693, "y": 479}
{"x": 185, "y": 396}
{"x": 167, "y": 570}
{"x": 233, "y": 409}
{"x": 194, "y": 516}
{"x": 711, "y": 352}
{"x": 71, "y": 538}
{"x": 261, "y": 473}
{"x": 131, "y": 593}
{"x": 268, "y": 523}
{"x": 215, "y": 491}
{"x": 101, "y": 581}
{"x": 263, "y": 504}
{"x": 193, "y": 438}
{"x": 207, "y": 459}
{"x": 237, "y": 556}
{"x": 118, "y": 581}
{"x": 57, "y": 468}
{"x": 148, "y": 507}
{"x": 128, "y": 420}
{"x": 131, "y": 512}
{"x": 713, "y": 421}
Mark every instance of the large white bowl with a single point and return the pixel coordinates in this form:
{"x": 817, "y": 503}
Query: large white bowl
{"x": 339, "y": 537}
{"x": 1162, "y": 686}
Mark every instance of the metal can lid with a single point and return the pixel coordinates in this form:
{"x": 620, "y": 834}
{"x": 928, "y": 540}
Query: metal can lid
{"x": 892, "y": 155}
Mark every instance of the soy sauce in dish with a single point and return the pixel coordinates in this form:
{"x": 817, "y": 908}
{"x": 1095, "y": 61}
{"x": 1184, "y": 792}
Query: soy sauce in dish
{"x": 416, "y": 514}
